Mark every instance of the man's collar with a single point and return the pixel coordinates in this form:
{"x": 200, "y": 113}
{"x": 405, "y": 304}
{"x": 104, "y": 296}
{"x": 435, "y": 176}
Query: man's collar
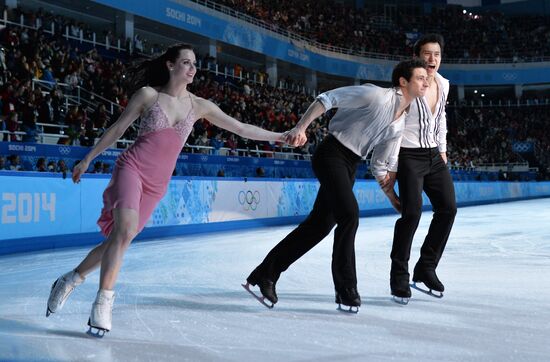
{"x": 440, "y": 78}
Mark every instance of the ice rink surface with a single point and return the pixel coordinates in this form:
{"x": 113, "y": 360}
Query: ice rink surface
{"x": 180, "y": 299}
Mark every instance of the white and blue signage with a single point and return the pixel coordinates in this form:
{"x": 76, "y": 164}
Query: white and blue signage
{"x": 40, "y": 210}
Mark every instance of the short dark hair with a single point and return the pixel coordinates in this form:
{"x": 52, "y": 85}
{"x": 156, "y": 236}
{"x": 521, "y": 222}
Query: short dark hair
{"x": 405, "y": 69}
{"x": 428, "y": 38}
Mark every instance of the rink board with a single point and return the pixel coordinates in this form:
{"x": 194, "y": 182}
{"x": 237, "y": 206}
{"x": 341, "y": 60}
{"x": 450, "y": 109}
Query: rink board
{"x": 41, "y": 211}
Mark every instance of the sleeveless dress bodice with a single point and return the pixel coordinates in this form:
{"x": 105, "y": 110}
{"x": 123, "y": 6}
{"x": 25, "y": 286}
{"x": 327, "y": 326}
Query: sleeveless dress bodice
{"x": 142, "y": 172}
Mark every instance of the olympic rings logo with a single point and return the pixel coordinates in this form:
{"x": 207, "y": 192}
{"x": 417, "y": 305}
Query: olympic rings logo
{"x": 64, "y": 150}
{"x": 249, "y": 199}
{"x": 510, "y": 76}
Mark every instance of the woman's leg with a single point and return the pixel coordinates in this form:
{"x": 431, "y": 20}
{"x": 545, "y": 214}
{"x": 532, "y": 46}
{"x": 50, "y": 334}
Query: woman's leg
{"x": 94, "y": 258}
{"x": 109, "y": 254}
{"x": 125, "y": 229}
{"x": 92, "y": 261}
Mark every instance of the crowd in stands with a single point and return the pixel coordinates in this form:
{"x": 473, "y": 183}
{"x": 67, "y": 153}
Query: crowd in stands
{"x": 478, "y": 36}
{"x": 13, "y": 163}
{"x": 485, "y": 135}
{"x": 487, "y": 36}
{"x": 36, "y": 55}
{"x": 267, "y": 107}
{"x": 476, "y": 135}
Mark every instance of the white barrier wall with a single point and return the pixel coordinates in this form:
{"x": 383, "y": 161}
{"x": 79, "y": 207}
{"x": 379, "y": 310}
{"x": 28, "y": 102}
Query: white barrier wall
{"x": 44, "y": 210}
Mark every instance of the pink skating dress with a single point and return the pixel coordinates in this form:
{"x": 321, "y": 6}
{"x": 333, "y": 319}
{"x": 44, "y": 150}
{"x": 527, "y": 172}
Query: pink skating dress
{"x": 142, "y": 172}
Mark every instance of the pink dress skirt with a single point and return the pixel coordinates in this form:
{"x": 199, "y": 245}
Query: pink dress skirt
{"x": 142, "y": 172}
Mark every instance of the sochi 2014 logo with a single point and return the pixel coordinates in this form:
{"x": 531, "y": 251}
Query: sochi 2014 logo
{"x": 249, "y": 199}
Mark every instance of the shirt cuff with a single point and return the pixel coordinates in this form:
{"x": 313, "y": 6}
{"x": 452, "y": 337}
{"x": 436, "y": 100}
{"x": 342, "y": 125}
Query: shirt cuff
{"x": 325, "y": 101}
{"x": 379, "y": 173}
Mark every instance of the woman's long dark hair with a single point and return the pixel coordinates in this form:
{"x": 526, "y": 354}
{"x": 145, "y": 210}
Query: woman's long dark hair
{"x": 153, "y": 72}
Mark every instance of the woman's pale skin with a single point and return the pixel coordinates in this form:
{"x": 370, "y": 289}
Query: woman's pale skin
{"x": 176, "y": 101}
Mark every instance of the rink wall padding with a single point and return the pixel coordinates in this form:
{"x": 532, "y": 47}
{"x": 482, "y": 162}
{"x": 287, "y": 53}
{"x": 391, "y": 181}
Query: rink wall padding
{"x": 45, "y": 211}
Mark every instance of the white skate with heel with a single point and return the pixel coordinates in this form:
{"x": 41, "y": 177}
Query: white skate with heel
{"x": 61, "y": 289}
{"x": 102, "y": 313}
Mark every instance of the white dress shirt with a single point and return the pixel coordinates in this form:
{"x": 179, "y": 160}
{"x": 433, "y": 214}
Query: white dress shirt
{"x": 424, "y": 129}
{"x": 365, "y": 121}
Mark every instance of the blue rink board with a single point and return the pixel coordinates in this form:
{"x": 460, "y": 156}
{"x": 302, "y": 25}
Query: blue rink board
{"x": 43, "y": 211}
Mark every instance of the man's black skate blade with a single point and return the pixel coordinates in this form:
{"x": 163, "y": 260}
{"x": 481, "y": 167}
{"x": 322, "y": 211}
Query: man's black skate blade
{"x": 350, "y": 309}
{"x": 259, "y": 299}
{"x": 100, "y": 333}
{"x": 48, "y": 312}
{"x": 400, "y": 300}
{"x": 426, "y": 291}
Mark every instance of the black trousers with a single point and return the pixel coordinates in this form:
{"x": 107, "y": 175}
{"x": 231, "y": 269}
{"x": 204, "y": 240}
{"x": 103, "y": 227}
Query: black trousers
{"x": 335, "y": 167}
{"x": 422, "y": 169}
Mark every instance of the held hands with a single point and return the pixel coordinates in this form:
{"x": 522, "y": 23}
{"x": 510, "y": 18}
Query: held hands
{"x": 386, "y": 184}
{"x": 78, "y": 170}
{"x": 295, "y": 137}
{"x": 394, "y": 200}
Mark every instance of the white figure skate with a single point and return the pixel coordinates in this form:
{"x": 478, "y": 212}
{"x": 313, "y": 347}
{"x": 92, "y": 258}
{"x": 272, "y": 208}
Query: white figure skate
{"x": 61, "y": 289}
{"x": 102, "y": 313}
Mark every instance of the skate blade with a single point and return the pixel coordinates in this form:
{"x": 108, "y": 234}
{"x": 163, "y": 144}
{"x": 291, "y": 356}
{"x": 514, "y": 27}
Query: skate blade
{"x": 99, "y": 333}
{"x": 258, "y": 298}
{"x": 400, "y": 300}
{"x": 427, "y": 291}
{"x": 351, "y": 310}
{"x": 48, "y": 311}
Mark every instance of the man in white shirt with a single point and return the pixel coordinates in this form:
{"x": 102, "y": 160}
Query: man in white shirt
{"x": 422, "y": 166}
{"x": 368, "y": 118}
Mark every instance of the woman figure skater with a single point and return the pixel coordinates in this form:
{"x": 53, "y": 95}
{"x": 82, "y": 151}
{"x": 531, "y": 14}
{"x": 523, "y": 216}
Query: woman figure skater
{"x": 167, "y": 112}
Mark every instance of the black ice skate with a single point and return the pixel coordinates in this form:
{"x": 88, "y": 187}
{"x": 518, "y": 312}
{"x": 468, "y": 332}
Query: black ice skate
{"x": 400, "y": 289}
{"x": 348, "y": 297}
{"x": 430, "y": 280}
{"x": 267, "y": 288}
